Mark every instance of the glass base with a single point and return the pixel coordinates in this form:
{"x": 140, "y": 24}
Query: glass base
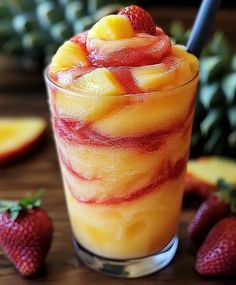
{"x": 128, "y": 268}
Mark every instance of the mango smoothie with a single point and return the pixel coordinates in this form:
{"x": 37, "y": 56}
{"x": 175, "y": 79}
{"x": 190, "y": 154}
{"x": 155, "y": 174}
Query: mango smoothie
{"x": 122, "y": 103}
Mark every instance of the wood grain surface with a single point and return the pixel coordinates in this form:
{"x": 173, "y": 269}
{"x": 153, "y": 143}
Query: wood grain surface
{"x": 24, "y": 94}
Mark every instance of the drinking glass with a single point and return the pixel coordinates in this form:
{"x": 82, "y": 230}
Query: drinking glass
{"x": 123, "y": 161}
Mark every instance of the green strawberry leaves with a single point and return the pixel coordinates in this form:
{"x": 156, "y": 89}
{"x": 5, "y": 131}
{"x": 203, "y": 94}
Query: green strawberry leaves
{"x": 25, "y": 204}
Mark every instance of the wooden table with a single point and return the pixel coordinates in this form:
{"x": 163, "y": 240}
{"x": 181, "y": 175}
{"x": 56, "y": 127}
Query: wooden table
{"x": 24, "y": 94}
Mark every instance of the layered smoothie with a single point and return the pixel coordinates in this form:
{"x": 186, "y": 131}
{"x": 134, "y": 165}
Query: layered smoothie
{"x": 122, "y": 103}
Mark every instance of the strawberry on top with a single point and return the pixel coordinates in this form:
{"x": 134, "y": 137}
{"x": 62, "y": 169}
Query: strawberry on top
{"x": 142, "y": 21}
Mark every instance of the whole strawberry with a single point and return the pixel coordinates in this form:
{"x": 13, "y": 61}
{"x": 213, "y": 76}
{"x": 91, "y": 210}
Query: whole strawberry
{"x": 141, "y": 20}
{"x": 25, "y": 233}
{"x": 218, "y": 206}
{"x": 217, "y": 255}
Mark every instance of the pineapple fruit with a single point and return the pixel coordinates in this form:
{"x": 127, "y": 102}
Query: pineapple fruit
{"x": 69, "y": 55}
{"x": 112, "y": 27}
{"x": 204, "y": 174}
{"x": 99, "y": 82}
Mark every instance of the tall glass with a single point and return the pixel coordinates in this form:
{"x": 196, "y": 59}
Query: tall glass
{"x": 123, "y": 161}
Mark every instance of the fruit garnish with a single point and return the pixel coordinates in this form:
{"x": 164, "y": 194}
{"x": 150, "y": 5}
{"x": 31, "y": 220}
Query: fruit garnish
{"x": 170, "y": 73}
{"x": 25, "y": 233}
{"x": 217, "y": 255}
{"x": 204, "y": 172}
{"x": 68, "y": 55}
{"x": 99, "y": 82}
{"x": 153, "y": 77}
{"x": 141, "y": 20}
{"x": 19, "y": 135}
{"x": 218, "y": 206}
{"x": 140, "y": 50}
{"x": 179, "y": 51}
{"x": 112, "y": 27}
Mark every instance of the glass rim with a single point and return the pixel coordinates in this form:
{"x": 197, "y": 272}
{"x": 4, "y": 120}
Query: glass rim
{"x": 81, "y": 93}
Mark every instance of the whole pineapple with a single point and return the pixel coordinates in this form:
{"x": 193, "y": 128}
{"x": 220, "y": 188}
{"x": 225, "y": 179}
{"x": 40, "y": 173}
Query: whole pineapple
{"x": 32, "y": 30}
{"x": 214, "y": 128}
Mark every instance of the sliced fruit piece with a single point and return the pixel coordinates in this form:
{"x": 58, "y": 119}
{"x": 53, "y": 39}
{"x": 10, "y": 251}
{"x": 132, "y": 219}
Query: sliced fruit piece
{"x": 18, "y": 136}
{"x": 203, "y": 174}
{"x": 183, "y": 73}
{"x": 140, "y": 50}
{"x": 169, "y": 74}
{"x": 112, "y": 27}
{"x": 211, "y": 169}
{"x": 68, "y": 55}
{"x": 153, "y": 77}
{"x": 180, "y": 52}
{"x": 99, "y": 82}
{"x": 141, "y": 20}
{"x": 82, "y": 105}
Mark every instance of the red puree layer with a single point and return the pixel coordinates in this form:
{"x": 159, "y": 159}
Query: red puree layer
{"x": 80, "y": 39}
{"x": 124, "y": 76}
{"x": 138, "y": 51}
{"x": 168, "y": 171}
{"x": 78, "y": 132}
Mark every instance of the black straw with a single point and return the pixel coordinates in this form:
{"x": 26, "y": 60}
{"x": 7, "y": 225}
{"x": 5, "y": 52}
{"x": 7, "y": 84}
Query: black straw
{"x": 202, "y": 26}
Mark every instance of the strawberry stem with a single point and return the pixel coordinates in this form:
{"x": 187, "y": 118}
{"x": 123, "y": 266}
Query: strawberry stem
{"x": 26, "y": 203}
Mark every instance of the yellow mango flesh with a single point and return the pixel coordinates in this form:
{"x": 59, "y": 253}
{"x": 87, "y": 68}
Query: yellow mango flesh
{"x": 112, "y": 27}
{"x": 15, "y": 133}
{"x": 180, "y": 52}
{"x": 210, "y": 169}
{"x": 99, "y": 82}
{"x": 96, "y": 96}
{"x": 67, "y": 56}
{"x": 153, "y": 77}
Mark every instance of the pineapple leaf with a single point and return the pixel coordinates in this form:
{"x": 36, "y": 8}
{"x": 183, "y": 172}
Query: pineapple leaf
{"x": 212, "y": 119}
{"x": 227, "y": 192}
{"x": 229, "y": 87}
